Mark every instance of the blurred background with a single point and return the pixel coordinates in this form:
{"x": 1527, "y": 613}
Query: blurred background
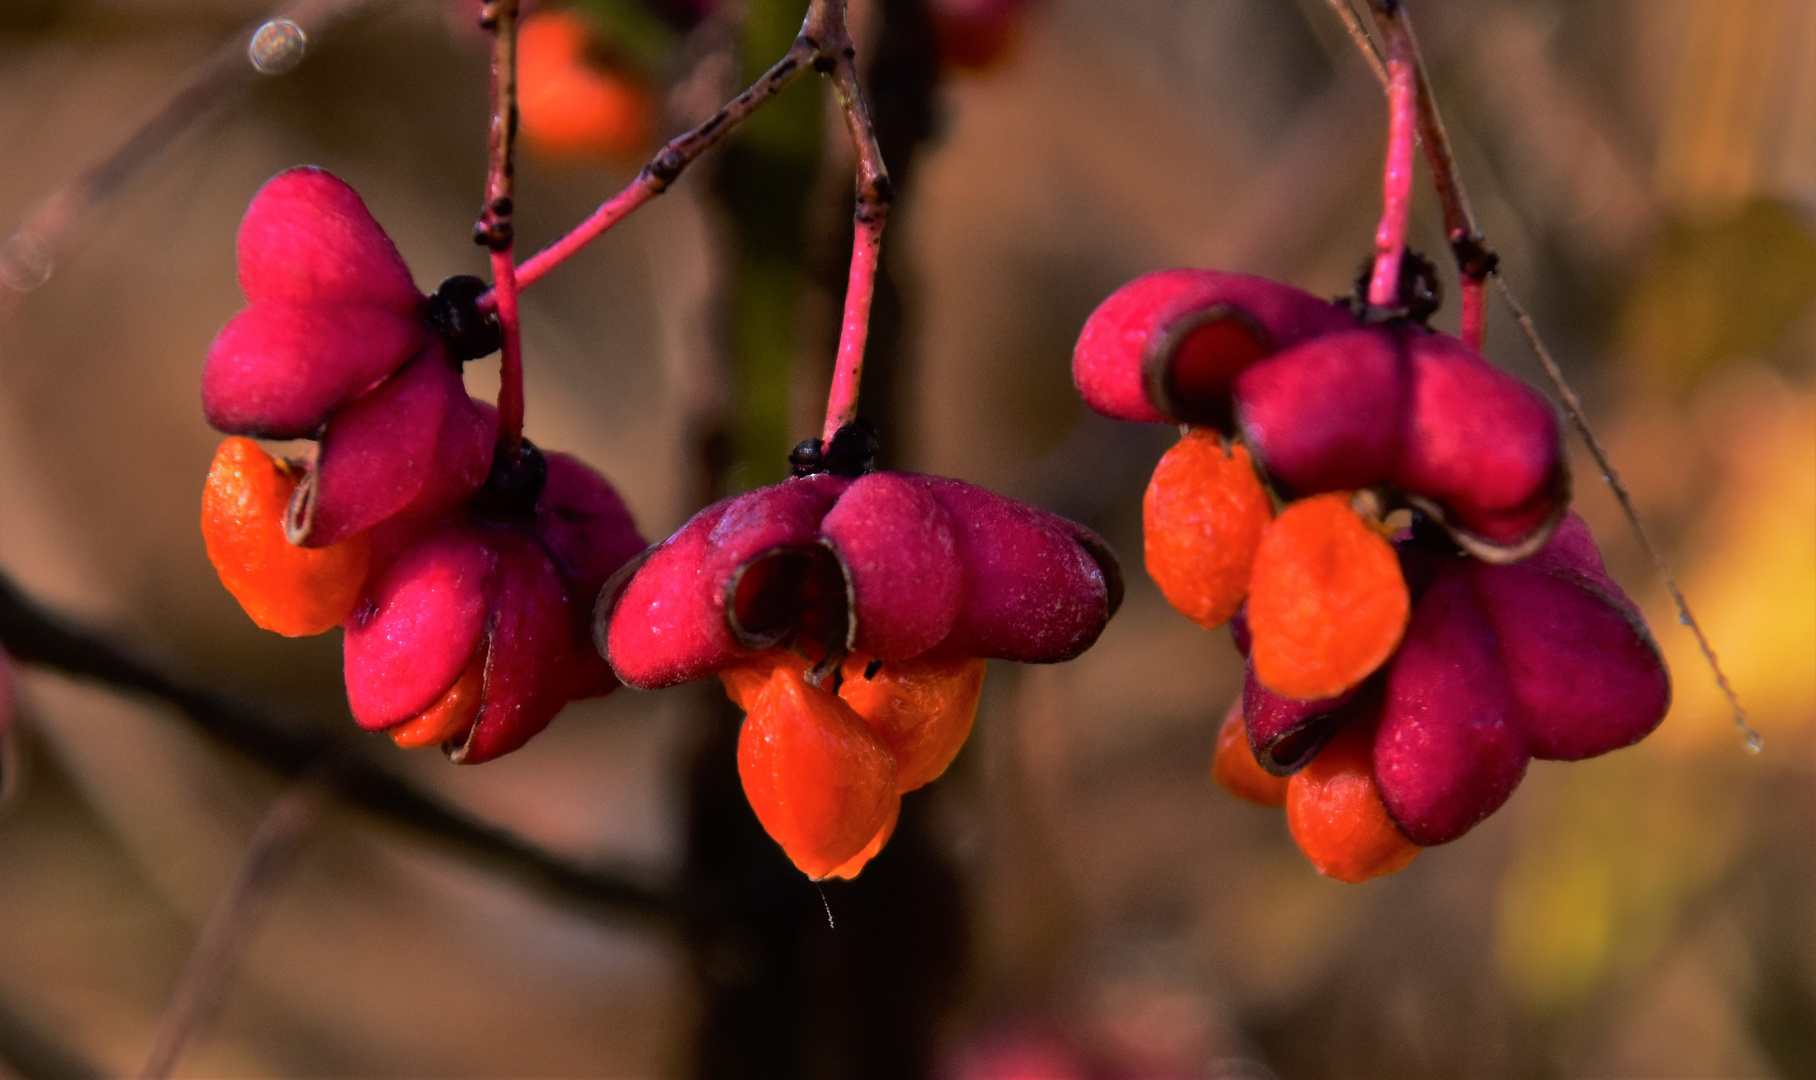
{"x": 1075, "y": 898}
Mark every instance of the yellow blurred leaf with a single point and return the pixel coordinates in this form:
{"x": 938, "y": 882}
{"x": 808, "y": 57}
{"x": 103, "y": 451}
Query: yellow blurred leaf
{"x": 1711, "y": 292}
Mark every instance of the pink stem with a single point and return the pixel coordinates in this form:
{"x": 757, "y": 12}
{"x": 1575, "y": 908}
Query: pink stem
{"x": 668, "y": 164}
{"x": 614, "y": 210}
{"x": 510, "y": 368}
{"x": 1474, "y": 330}
{"x": 1396, "y": 180}
{"x": 827, "y": 21}
{"x": 494, "y": 228}
{"x": 854, "y": 330}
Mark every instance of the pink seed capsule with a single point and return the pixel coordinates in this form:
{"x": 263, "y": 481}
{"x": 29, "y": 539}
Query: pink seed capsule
{"x": 1449, "y": 750}
{"x": 891, "y": 565}
{"x": 417, "y": 446}
{"x": 1541, "y": 658}
{"x": 1500, "y": 664}
{"x": 337, "y": 344}
{"x": 1473, "y": 447}
{"x": 1167, "y": 347}
{"x": 332, "y": 310}
{"x": 478, "y": 631}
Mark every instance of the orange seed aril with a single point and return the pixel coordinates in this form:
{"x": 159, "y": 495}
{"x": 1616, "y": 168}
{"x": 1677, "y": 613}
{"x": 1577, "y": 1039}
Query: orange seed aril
{"x": 1327, "y": 602}
{"x": 292, "y": 590}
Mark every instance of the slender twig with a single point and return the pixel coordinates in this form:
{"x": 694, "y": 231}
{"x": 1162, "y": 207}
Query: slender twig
{"x": 874, "y": 195}
{"x": 1755, "y": 742}
{"x": 1396, "y": 175}
{"x": 1476, "y": 263}
{"x": 230, "y": 925}
{"x": 666, "y": 166}
{"x": 494, "y": 230}
{"x": 1359, "y": 35}
{"x": 824, "y": 44}
{"x": 32, "y": 250}
{"x": 34, "y": 635}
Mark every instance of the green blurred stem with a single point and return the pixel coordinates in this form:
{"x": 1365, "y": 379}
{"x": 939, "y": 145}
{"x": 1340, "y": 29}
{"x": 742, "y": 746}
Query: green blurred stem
{"x": 766, "y": 184}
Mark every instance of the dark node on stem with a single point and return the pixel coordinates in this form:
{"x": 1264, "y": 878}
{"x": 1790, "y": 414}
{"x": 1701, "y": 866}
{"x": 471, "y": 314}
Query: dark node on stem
{"x": 1421, "y": 292}
{"x": 807, "y": 458}
{"x": 514, "y": 485}
{"x": 1474, "y": 260}
{"x": 453, "y": 313}
{"x": 824, "y": 64}
{"x": 492, "y": 234}
{"x": 667, "y": 166}
{"x": 852, "y": 452}
{"x": 502, "y": 206}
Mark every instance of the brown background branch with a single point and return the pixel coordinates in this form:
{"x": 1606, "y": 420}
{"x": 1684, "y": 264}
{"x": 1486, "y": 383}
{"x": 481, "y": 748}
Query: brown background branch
{"x": 33, "y": 634}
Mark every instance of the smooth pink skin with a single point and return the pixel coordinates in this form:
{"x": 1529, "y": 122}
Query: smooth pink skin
{"x": 1407, "y": 407}
{"x": 417, "y": 446}
{"x": 533, "y": 663}
{"x": 1449, "y": 750}
{"x": 668, "y": 626}
{"x": 308, "y": 237}
{"x": 279, "y": 369}
{"x": 1479, "y": 441}
{"x": 462, "y": 587}
{"x": 418, "y": 629}
{"x": 1585, "y": 674}
{"x": 1032, "y": 593}
{"x": 663, "y": 628}
{"x": 1029, "y": 588}
{"x": 332, "y": 311}
{"x": 1109, "y": 362}
{"x": 1329, "y": 415}
{"x": 901, "y": 564}
{"x": 787, "y": 514}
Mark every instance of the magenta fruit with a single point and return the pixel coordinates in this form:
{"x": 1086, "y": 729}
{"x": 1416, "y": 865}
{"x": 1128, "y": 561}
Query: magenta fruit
{"x": 1167, "y": 347}
{"x": 507, "y": 591}
{"x": 890, "y": 565}
{"x": 337, "y": 344}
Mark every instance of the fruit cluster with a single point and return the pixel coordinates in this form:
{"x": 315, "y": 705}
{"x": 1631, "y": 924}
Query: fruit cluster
{"x": 1402, "y": 679}
{"x": 849, "y": 612}
{"x": 1398, "y": 679}
{"x": 463, "y": 573}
